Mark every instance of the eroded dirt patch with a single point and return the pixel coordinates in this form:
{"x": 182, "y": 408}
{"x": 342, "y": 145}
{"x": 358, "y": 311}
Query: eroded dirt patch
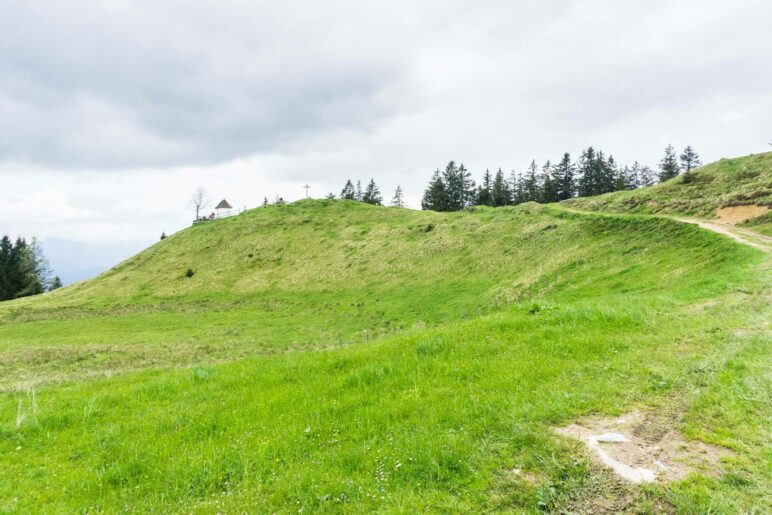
{"x": 737, "y": 214}
{"x": 641, "y": 447}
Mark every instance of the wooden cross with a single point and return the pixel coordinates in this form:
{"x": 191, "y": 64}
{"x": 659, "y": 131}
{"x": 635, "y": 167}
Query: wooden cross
{"x": 307, "y": 187}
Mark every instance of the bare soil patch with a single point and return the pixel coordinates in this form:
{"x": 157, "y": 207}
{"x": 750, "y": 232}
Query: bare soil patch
{"x": 737, "y": 214}
{"x": 641, "y": 447}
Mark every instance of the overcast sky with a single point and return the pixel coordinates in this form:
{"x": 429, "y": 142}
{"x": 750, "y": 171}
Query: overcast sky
{"x": 112, "y": 112}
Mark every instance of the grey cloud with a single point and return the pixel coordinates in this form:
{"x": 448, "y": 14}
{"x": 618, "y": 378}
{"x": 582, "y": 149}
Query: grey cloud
{"x": 159, "y": 84}
{"x": 100, "y": 88}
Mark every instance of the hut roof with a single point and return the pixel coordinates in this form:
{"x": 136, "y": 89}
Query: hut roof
{"x": 224, "y": 205}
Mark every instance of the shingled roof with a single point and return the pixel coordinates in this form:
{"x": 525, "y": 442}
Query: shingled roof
{"x": 224, "y": 205}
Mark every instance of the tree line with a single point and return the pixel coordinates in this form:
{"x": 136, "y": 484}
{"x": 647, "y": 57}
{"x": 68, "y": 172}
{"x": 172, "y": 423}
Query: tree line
{"x": 453, "y": 188}
{"x": 593, "y": 173}
{"x": 24, "y": 270}
{"x": 370, "y": 194}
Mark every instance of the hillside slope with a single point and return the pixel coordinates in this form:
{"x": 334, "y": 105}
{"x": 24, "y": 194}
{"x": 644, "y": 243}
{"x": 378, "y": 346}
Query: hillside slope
{"x": 320, "y": 274}
{"x": 741, "y": 181}
{"x": 339, "y": 357}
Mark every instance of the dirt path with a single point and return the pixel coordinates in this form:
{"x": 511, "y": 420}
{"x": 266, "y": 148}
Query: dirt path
{"x": 744, "y": 236}
{"x": 738, "y": 234}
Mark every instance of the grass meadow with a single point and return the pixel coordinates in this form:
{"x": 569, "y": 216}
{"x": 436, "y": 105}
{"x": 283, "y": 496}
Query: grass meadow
{"x": 331, "y": 356}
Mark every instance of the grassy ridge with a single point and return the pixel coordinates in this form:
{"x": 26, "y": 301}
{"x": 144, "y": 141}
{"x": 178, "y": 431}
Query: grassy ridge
{"x": 397, "y": 361}
{"x": 318, "y": 275}
{"x": 728, "y": 182}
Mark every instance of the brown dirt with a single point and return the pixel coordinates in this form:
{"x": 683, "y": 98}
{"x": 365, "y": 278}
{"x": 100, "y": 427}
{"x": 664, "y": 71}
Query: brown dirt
{"x": 652, "y": 449}
{"x": 740, "y": 235}
{"x": 737, "y": 214}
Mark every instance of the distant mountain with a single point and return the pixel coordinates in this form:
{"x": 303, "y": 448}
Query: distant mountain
{"x": 75, "y": 261}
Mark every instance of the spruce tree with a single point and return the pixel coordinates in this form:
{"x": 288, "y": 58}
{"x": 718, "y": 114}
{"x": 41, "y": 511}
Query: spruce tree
{"x": 629, "y": 177}
{"x": 518, "y": 191}
{"x": 501, "y": 194}
{"x": 459, "y": 186}
{"x": 6, "y": 249}
{"x": 372, "y": 194}
{"x": 531, "y": 183}
{"x": 55, "y": 284}
{"x": 348, "y": 192}
{"x": 563, "y": 178}
{"x": 588, "y": 173}
{"x": 689, "y": 159}
{"x": 668, "y": 167}
{"x": 358, "y": 195}
{"x": 484, "y": 196}
{"x": 41, "y": 269}
{"x": 608, "y": 173}
{"x": 32, "y": 271}
{"x": 436, "y": 196}
{"x": 647, "y": 177}
{"x": 548, "y": 186}
{"x": 398, "y": 199}
{"x": 18, "y": 278}
{"x": 24, "y": 269}
{"x": 638, "y": 176}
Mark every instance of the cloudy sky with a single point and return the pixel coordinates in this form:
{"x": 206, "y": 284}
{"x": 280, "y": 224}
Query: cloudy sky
{"x": 112, "y": 112}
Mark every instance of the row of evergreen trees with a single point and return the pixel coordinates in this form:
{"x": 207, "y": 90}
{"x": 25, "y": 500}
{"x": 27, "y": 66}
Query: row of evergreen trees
{"x": 24, "y": 270}
{"x": 371, "y": 194}
{"x": 593, "y": 173}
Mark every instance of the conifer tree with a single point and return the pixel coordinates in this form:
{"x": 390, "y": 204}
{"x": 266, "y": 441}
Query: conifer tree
{"x": 588, "y": 173}
{"x": 358, "y": 193}
{"x": 501, "y": 194}
{"x": 348, "y": 192}
{"x": 55, "y": 284}
{"x": 436, "y": 196}
{"x": 629, "y": 177}
{"x": 24, "y": 270}
{"x": 6, "y": 250}
{"x": 518, "y": 191}
{"x": 563, "y": 178}
{"x": 548, "y": 186}
{"x": 689, "y": 159}
{"x": 40, "y": 267}
{"x": 16, "y": 270}
{"x": 668, "y": 167}
{"x": 484, "y": 197}
{"x": 608, "y": 173}
{"x": 459, "y": 186}
{"x": 531, "y": 183}
{"x": 372, "y": 194}
{"x": 646, "y": 177}
{"x": 398, "y": 199}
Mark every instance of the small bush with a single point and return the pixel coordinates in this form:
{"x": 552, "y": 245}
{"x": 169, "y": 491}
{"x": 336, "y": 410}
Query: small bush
{"x": 189, "y": 272}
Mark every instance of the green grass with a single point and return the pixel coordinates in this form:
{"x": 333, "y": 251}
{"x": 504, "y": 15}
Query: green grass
{"x": 318, "y": 275}
{"x": 333, "y": 356}
{"x": 761, "y": 224}
{"x": 725, "y": 183}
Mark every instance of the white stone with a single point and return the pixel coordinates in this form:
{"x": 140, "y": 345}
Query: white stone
{"x": 610, "y": 438}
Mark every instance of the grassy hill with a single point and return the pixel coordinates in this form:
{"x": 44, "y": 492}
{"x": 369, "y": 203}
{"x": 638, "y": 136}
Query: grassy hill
{"x": 725, "y": 183}
{"x": 335, "y": 356}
